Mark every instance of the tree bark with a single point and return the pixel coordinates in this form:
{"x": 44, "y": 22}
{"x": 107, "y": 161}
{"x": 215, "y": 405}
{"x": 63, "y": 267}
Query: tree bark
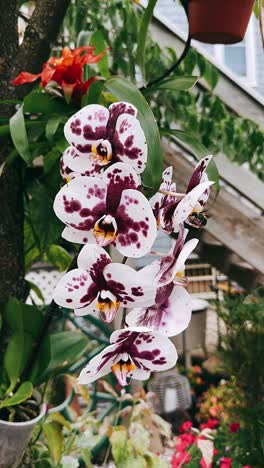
{"x": 41, "y": 32}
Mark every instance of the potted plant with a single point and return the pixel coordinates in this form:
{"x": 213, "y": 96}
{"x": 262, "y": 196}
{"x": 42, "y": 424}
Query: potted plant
{"x": 219, "y": 21}
{"x": 30, "y": 356}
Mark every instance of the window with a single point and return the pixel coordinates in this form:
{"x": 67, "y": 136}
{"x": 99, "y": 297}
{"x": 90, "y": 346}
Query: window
{"x": 240, "y": 58}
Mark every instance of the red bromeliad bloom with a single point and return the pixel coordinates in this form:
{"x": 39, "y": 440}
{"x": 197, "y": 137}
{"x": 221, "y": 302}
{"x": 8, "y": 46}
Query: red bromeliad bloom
{"x": 66, "y": 71}
{"x": 225, "y": 462}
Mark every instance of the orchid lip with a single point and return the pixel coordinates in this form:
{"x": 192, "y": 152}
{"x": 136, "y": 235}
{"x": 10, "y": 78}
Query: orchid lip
{"x": 122, "y": 370}
{"x": 105, "y": 230}
{"x": 102, "y": 153}
{"x": 108, "y": 305}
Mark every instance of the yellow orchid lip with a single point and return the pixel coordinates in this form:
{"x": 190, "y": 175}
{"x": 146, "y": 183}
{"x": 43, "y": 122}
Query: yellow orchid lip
{"x": 108, "y": 305}
{"x": 105, "y": 230}
{"x": 122, "y": 370}
{"x": 102, "y": 153}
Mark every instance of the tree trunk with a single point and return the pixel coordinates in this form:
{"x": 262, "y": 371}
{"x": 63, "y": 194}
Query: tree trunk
{"x": 41, "y": 32}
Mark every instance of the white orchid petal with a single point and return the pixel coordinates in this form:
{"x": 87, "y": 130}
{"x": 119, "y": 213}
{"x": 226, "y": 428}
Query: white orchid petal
{"x": 75, "y": 290}
{"x": 137, "y": 228}
{"x": 87, "y": 126}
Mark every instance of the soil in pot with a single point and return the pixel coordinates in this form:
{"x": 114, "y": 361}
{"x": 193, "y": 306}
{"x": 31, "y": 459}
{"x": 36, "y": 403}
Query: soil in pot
{"x": 219, "y": 21}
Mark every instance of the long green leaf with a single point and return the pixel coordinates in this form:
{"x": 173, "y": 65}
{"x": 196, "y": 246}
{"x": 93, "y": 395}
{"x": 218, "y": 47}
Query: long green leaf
{"x": 142, "y": 36}
{"x": 19, "y": 135}
{"x": 23, "y": 393}
{"x": 58, "y": 351}
{"x": 197, "y": 149}
{"x": 123, "y": 90}
{"x": 54, "y": 436}
{"x": 97, "y": 40}
{"x": 179, "y": 83}
{"x": 53, "y": 125}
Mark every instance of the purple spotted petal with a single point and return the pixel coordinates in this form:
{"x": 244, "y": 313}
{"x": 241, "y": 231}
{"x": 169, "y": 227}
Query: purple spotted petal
{"x": 75, "y": 290}
{"x": 129, "y": 143}
{"x": 132, "y": 288}
{"x": 199, "y": 173}
{"x": 87, "y": 127}
{"x": 81, "y": 202}
{"x": 99, "y": 366}
{"x": 115, "y": 111}
{"x": 77, "y": 236}
{"x": 170, "y": 317}
{"x": 174, "y": 263}
{"x": 118, "y": 178}
{"x": 136, "y": 225}
{"x": 93, "y": 259}
{"x": 78, "y": 164}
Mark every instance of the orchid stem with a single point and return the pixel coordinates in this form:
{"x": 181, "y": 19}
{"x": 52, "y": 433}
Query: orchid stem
{"x": 123, "y": 322}
{"x": 172, "y": 194}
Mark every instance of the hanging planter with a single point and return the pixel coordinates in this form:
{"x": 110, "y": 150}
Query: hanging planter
{"x": 219, "y": 21}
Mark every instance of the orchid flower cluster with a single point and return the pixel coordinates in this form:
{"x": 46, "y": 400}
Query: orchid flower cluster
{"x": 102, "y": 204}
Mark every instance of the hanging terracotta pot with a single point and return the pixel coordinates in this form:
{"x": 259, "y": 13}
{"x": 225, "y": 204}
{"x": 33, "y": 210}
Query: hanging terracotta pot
{"x": 219, "y": 21}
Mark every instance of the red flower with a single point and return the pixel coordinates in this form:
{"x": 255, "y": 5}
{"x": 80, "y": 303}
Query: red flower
{"x": 186, "y": 426}
{"x": 226, "y": 462}
{"x": 66, "y": 71}
{"x": 210, "y": 424}
{"x": 234, "y": 427}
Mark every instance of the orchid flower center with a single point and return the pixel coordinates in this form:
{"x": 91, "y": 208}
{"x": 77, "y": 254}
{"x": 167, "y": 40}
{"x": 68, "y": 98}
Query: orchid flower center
{"x": 108, "y": 305}
{"x": 102, "y": 154}
{"x": 123, "y": 370}
{"x": 105, "y": 230}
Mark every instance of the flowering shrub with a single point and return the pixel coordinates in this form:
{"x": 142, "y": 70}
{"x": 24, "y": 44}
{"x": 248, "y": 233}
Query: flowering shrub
{"x": 213, "y": 445}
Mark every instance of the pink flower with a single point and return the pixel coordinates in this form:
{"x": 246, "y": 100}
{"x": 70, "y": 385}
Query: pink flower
{"x": 226, "y": 462}
{"x": 186, "y": 426}
{"x": 234, "y": 427}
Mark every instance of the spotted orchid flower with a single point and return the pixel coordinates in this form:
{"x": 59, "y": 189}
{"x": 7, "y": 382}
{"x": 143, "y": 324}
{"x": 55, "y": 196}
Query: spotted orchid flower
{"x": 172, "y": 310}
{"x": 99, "y": 136}
{"x": 133, "y": 353}
{"x": 108, "y": 210}
{"x": 170, "y": 211}
{"x": 100, "y": 285}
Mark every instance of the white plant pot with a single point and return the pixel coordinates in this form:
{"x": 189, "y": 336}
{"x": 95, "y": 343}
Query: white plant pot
{"x": 14, "y": 437}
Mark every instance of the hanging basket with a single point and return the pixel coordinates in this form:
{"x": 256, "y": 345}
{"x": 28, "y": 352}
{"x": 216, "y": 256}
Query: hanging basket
{"x": 219, "y": 21}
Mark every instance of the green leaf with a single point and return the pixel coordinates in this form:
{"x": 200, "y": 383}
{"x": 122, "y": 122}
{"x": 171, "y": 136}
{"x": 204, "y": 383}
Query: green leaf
{"x": 50, "y": 159}
{"x": 211, "y": 75}
{"x": 93, "y": 94}
{"x": 180, "y": 83}
{"x": 41, "y": 103}
{"x": 23, "y": 317}
{"x": 19, "y": 135}
{"x": 45, "y": 225}
{"x": 53, "y": 125}
{"x": 58, "y": 351}
{"x": 23, "y": 392}
{"x": 36, "y": 290}
{"x": 123, "y": 90}
{"x": 142, "y": 36}
{"x": 54, "y": 436}
{"x": 97, "y": 40}
{"x": 59, "y": 257}
{"x": 83, "y": 38}
{"x": 197, "y": 149}
{"x": 13, "y": 358}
